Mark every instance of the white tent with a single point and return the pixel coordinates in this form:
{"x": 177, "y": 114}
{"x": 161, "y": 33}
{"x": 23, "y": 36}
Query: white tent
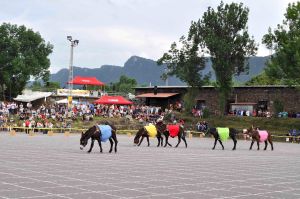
{"x": 65, "y": 101}
{"x": 29, "y": 96}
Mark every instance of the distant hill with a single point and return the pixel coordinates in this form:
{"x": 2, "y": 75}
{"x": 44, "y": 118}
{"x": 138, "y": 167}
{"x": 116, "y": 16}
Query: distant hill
{"x": 146, "y": 71}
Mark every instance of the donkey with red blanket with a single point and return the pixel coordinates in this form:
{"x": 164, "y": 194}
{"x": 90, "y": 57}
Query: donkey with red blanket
{"x": 173, "y": 130}
{"x": 259, "y": 136}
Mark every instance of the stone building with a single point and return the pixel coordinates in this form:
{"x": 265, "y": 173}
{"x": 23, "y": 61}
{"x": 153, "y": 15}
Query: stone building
{"x": 261, "y": 98}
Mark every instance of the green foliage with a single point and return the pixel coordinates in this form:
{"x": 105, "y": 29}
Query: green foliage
{"x": 262, "y": 79}
{"x": 189, "y": 99}
{"x": 285, "y": 41}
{"x": 187, "y": 62}
{"x": 49, "y": 86}
{"x": 224, "y": 33}
{"x": 23, "y": 55}
{"x": 124, "y": 85}
{"x": 206, "y": 113}
{"x": 278, "y": 106}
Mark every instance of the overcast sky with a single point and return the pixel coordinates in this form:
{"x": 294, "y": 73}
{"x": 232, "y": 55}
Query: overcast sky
{"x": 110, "y": 31}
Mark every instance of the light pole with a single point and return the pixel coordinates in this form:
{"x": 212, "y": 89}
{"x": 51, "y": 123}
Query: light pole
{"x": 73, "y": 44}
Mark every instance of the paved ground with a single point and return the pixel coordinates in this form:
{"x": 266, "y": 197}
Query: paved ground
{"x": 44, "y": 167}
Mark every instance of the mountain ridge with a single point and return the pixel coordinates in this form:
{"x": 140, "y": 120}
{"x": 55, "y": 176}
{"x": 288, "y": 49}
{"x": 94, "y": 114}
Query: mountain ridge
{"x": 146, "y": 72}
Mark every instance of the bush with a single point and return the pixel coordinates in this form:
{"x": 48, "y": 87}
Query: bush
{"x": 206, "y": 113}
{"x": 278, "y": 106}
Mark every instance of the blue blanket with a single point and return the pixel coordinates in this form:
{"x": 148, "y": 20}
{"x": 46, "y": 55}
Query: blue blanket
{"x": 105, "y": 132}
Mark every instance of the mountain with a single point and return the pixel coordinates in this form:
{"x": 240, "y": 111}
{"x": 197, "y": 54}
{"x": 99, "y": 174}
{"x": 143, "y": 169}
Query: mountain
{"x": 146, "y": 71}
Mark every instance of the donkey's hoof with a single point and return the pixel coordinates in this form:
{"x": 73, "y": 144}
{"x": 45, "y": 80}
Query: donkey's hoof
{"x": 213, "y": 149}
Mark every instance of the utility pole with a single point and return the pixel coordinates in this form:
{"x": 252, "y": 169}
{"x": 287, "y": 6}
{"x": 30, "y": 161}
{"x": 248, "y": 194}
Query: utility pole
{"x": 73, "y": 44}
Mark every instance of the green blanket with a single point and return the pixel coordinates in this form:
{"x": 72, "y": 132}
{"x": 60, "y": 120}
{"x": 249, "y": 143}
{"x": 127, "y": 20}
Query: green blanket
{"x": 223, "y": 133}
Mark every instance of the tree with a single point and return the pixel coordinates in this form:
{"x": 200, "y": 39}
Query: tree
{"x": 284, "y": 64}
{"x": 48, "y": 86}
{"x": 23, "y": 54}
{"x": 224, "y": 35}
{"x": 124, "y": 85}
{"x": 262, "y": 79}
{"x": 187, "y": 64}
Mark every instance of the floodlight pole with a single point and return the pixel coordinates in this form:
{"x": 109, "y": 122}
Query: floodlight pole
{"x": 73, "y": 44}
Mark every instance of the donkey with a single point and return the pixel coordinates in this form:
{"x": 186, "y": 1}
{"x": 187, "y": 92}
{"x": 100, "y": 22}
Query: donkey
{"x": 222, "y": 134}
{"x": 101, "y": 133}
{"x": 173, "y": 130}
{"x": 149, "y": 131}
{"x": 259, "y": 136}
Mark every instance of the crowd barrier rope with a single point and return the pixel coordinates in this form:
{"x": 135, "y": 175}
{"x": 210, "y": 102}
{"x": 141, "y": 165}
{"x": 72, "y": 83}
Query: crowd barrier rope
{"x": 129, "y": 132}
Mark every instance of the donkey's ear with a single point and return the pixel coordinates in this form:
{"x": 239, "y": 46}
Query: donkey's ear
{"x": 81, "y": 132}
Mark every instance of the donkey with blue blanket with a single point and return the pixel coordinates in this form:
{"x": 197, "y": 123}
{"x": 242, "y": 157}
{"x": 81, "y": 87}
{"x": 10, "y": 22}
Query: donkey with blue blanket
{"x": 101, "y": 133}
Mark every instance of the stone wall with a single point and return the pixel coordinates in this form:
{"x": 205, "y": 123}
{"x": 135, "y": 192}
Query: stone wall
{"x": 289, "y": 96}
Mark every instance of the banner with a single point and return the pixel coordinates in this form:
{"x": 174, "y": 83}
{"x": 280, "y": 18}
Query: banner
{"x": 65, "y": 92}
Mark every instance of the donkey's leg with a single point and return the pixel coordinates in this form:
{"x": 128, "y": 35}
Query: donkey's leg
{"x": 167, "y": 137}
{"x": 215, "y": 144}
{"x": 179, "y": 140}
{"x": 221, "y": 144}
{"x": 183, "y": 138}
{"x": 234, "y": 143}
{"x": 161, "y": 140}
{"x": 158, "y": 140}
{"x": 266, "y": 145}
{"x": 111, "y": 144}
{"x": 114, "y": 137}
{"x": 251, "y": 145}
{"x": 141, "y": 141}
{"x": 257, "y": 145}
{"x": 148, "y": 141}
{"x": 271, "y": 142}
{"x": 100, "y": 145}
{"x": 92, "y": 145}
{"x": 233, "y": 137}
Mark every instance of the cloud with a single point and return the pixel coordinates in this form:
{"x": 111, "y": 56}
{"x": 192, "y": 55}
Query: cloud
{"x": 111, "y": 31}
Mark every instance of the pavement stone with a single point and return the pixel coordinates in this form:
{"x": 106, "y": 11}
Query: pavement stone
{"x": 47, "y": 167}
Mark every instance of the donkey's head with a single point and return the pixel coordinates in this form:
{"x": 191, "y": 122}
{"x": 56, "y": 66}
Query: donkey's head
{"x": 161, "y": 127}
{"x": 250, "y": 130}
{"x": 85, "y": 136}
{"x": 138, "y": 136}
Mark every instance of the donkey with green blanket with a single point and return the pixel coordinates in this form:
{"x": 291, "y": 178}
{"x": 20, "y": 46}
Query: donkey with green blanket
{"x": 222, "y": 134}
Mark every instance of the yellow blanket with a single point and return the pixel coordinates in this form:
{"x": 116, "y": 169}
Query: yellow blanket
{"x": 151, "y": 129}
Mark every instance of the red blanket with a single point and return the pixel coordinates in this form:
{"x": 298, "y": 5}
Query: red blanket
{"x": 173, "y": 130}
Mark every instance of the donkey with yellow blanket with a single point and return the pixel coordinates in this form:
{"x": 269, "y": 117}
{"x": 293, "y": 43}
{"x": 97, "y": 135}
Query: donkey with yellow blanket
{"x": 149, "y": 131}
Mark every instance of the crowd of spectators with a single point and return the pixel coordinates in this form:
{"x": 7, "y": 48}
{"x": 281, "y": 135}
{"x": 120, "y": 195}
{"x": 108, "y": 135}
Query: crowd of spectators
{"x": 60, "y": 116}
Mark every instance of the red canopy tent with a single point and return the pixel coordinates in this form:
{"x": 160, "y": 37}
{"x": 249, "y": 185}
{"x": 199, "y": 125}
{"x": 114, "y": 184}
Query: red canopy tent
{"x": 86, "y": 81}
{"x": 113, "y": 100}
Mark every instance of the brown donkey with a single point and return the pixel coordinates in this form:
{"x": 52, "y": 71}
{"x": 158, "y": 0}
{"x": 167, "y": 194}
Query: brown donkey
{"x": 259, "y": 136}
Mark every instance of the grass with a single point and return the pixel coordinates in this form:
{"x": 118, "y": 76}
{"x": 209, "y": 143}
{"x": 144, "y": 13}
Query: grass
{"x": 278, "y": 126}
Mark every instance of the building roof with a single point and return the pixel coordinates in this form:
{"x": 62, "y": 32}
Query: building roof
{"x": 158, "y": 95}
{"x": 29, "y": 96}
{"x": 255, "y": 86}
{"x": 243, "y": 103}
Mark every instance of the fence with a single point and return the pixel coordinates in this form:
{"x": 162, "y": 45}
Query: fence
{"x": 129, "y": 132}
